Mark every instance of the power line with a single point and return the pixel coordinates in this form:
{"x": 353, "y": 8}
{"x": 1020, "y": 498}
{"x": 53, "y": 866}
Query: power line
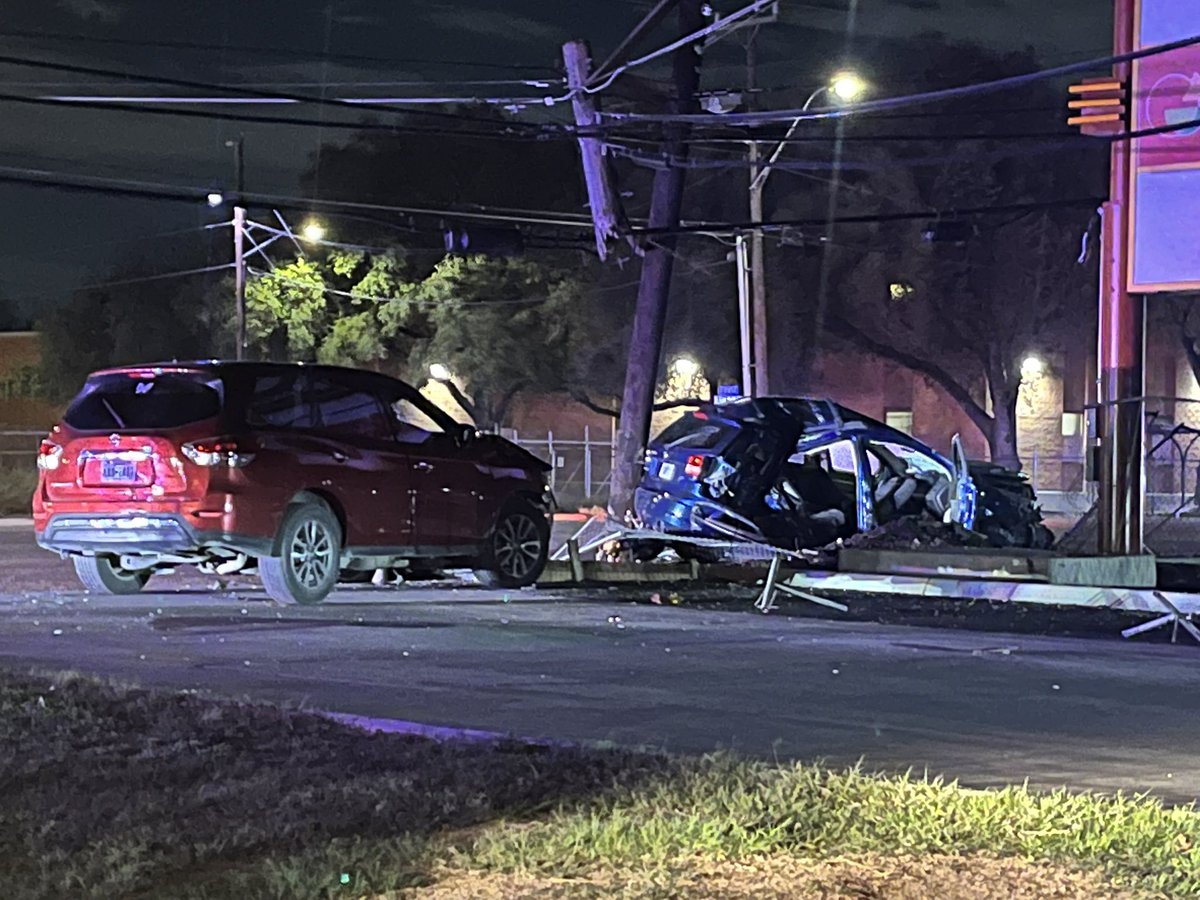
{"x": 124, "y": 281}
{"x": 56, "y": 251}
{"x": 396, "y": 128}
{"x": 155, "y": 190}
{"x": 999, "y": 84}
{"x": 245, "y": 92}
{"x": 309, "y": 56}
{"x": 1063, "y": 141}
{"x": 874, "y": 218}
{"x": 377, "y": 299}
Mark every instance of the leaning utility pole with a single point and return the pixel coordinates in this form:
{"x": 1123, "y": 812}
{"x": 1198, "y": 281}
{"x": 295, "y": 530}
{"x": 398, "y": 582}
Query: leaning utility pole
{"x": 602, "y": 198}
{"x": 239, "y": 267}
{"x": 649, "y": 323}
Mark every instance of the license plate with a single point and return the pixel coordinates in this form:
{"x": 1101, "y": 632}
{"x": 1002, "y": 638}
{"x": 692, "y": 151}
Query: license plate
{"x": 118, "y": 470}
{"x": 667, "y": 471}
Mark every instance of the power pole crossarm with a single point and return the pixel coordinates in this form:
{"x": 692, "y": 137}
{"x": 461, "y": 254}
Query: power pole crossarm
{"x": 601, "y": 196}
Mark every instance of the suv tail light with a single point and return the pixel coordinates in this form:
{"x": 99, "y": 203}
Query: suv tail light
{"x": 694, "y": 467}
{"x": 215, "y": 452}
{"x": 49, "y": 456}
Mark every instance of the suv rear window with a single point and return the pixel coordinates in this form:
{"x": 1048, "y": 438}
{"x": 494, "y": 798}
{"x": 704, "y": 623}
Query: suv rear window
{"x": 694, "y": 431}
{"x": 144, "y": 400}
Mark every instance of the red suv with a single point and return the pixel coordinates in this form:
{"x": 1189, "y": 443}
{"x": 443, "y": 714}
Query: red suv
{"x": 306, "y": 474}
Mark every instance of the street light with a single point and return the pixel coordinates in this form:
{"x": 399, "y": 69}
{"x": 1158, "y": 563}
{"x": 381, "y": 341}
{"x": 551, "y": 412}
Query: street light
{"x": 685, "y": 368}
{"x": 215, "y": 199}
{"x": 439, "y": 372}
{"x": 847, "y": 86}
{"x": 1032, "y": 368}
{"x": 313, "y": 231}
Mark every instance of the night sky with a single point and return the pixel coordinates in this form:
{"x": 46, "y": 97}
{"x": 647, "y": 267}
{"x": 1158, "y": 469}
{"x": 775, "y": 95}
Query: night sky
{"x": 55, "y": 241}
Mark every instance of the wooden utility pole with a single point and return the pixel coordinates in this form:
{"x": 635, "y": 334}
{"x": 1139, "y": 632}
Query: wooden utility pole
{"x": 601, "y": 196}
{"x": 645, "y": 344}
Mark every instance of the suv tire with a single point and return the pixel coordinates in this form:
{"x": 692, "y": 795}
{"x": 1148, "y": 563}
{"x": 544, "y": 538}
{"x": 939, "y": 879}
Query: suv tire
{"x": 103, "y": 575}
{"x": 517, "y": 549}
{"x": 310, "y": 549}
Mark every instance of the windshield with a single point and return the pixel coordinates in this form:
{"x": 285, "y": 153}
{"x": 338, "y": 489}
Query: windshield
{"x": 144, "y": 401}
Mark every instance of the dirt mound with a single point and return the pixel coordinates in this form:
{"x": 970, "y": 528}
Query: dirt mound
{"x": 913, "y": 533}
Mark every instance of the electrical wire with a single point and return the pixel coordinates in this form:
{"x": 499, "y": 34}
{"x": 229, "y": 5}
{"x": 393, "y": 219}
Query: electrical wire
{"x": 125, "y": 281}
{"x": 692, "y": 38}
{"x": 391, "y": 128}
{"x": 244, "y": 92}
{"x": 56, "y": 250}
{"x": 250, "y": 51}
{"x": 968, "y": 90}
{"x": 275, "y": 276}
{"x": 155, "y": 190}
{"x": 873, "y": 218}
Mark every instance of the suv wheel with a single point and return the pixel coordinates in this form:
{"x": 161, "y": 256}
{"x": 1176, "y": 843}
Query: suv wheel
{"x": 104, "y": 575}
{"x": 518, "y": 547}
{"x": 310, "y": 548}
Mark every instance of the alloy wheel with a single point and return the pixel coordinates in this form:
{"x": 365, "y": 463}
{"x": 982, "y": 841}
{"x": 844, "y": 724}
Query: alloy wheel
{"x": 518, "y": 546}
{"x": 311, "y": 554}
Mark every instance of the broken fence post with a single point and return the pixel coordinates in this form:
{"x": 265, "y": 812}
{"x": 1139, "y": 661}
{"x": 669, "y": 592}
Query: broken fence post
{"x": 576, "y": 560}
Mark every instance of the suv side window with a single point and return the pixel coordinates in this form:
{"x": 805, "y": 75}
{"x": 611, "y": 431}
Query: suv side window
{"x": 350, "y": 412}
{"x": 413, "y": 424}
{"x": 279, "y": 401}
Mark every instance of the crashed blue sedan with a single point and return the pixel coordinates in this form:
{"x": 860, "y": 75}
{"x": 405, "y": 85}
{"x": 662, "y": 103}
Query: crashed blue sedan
{"x": 800, "y": 473}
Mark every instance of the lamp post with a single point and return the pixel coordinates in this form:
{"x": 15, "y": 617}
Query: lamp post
{"x": 844, "y": 87}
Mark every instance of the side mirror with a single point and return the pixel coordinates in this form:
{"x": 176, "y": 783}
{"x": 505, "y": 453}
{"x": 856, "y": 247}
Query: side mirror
{"x": 464, "y": 434}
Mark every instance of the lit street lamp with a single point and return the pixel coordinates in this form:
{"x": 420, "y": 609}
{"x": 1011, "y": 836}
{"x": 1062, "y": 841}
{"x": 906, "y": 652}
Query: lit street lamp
{"x": 847, "y": 86}
{"x": 313, "y": 231}
{"x": 439, "y": 372}
{"x": 1032, "y": 368}
{"x": 685, "y": 368}
{"x": 215, "y": 199}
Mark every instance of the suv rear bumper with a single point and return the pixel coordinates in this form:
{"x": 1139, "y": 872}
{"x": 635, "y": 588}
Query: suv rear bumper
{"x": 136, "y": 533}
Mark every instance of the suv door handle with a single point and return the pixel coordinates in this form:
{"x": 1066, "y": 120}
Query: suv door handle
{"x": 338, "y": 456}
{"x": 423, "y": 466}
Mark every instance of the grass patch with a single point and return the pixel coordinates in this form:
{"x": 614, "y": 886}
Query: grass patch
{"x": 120, "y": 792}
{"x": 17, "y": 482}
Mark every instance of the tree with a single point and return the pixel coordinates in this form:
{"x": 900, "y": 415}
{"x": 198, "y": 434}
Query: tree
{"x": 972, "y": 294}
{"x": 132, "y": 323}
{"x": 966, "y": 318}
{"x": 502, "y": 326}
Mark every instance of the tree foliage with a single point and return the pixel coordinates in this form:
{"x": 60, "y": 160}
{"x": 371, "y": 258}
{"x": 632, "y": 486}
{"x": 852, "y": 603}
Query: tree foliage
{"x": 987, "y": 290}
{"x": 501, "y": 326}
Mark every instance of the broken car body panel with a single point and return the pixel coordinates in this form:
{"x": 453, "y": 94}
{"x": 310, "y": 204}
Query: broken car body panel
{"x": 801, "y": 473}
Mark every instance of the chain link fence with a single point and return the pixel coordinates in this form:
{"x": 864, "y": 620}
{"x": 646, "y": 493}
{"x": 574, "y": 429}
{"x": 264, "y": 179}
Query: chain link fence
{"x": 580, "y": 466}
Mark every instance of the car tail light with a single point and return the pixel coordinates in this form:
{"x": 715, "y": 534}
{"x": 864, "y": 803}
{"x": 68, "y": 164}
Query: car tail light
{"x": 49, "y": 456}
{"x": 694, "y": 467}
{"x": 216, "y": 452}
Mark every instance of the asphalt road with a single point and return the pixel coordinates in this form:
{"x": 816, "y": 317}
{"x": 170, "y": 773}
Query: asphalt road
{"x": 986, "y": 708}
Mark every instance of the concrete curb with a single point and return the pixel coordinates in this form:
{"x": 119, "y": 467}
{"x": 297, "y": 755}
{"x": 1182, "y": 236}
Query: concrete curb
{"x": 435, "y": 732}
{"x": 16, "y": 522}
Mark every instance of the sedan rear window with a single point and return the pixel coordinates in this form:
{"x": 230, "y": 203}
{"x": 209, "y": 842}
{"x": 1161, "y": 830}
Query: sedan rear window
{"x": 144, "y": 401}
{"x": 694, "y": 431}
